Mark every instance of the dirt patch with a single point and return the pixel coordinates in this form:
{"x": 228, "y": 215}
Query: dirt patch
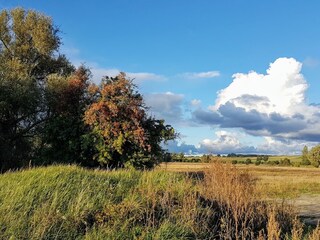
{"x": 309, "y": 208}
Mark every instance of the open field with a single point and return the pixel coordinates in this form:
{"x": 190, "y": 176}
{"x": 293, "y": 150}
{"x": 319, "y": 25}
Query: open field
{"x": 70, "y": 202}
{"x": 299, "y": 185}
{"x": 279, "y": 181}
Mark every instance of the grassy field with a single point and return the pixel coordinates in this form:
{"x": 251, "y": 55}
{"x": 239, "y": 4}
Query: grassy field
{"x": 69, "y": 202}
{"x": 276, "y": 181}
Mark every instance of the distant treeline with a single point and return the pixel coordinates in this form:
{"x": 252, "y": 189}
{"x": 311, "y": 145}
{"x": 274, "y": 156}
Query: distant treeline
{"x": 246, "y": 155}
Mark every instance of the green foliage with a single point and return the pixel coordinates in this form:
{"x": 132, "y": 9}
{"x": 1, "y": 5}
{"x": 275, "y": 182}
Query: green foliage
{"x": 248, "y": 161}
{"x": 314, "y": 156}
{"x": 263, "y": 157}
{"x": 234, "y": 161}
{"x": 285, "y": 162}
{"x": 28, "y": 55}
{"x": 274, "y": 162}
{"x": 66, "y": 138}
{"x": 305, "y": 157}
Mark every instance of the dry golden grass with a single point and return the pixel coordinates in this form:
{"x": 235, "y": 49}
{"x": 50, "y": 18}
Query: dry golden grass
{"x": 241, "y": 214}
{"x": 274, "y": 180}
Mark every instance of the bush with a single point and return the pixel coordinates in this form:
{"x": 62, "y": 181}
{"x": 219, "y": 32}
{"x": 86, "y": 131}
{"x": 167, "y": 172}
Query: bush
{"x": 305, "y": 162}
{"x": 248, "y": 161}
{"x": 285, "y": 162}
{"x": 272, "y": 163}
{"x": 234, "y": 161}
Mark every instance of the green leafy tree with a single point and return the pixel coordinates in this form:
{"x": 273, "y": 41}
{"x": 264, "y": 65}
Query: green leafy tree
{"x": 123, "y": 131}
{"x": 314, "y": 156}
{"x": 305, "y": 153}
{"x": 28, "y": 55}
{"x": 66, "y": 137}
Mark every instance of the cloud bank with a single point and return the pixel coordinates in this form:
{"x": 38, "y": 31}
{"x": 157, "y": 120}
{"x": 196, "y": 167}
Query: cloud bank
{"x": 268, "y": 105}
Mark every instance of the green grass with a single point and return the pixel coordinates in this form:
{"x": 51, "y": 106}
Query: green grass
{"x": 68, "y": 202}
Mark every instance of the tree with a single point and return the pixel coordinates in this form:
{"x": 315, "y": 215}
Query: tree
{"x": 314, "y": 156}
{"x": 65, "y": 135}
{"x": 123, "y": 131}
{"x": 305, "y": 153}
{"x": 28, "y": 55}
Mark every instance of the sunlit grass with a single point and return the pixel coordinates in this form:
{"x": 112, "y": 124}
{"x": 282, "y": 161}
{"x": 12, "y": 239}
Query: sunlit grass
{"x": 69, "y": 202}
{"x": 275, "y": 181}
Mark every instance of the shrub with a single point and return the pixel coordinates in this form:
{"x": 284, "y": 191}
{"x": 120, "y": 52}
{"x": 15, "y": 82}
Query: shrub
{"x": 272, "y": 163}
{"x": 305, "y": 162}
{"x": 248, "y": 161}
{"x": 285, "y": 162}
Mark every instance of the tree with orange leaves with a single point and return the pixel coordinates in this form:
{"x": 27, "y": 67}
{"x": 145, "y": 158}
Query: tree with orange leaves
{"x": 123, "y": 131}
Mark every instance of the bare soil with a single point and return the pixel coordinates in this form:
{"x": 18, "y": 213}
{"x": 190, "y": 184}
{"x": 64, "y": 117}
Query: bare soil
{"x": 309, "y": 208}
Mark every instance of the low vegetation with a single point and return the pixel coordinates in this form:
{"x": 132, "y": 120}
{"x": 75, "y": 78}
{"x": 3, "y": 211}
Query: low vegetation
{"x": 311, "y": 158}
{"x": 69, "y": 202}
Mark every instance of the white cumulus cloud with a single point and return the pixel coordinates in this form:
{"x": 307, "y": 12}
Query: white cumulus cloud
{"x": 281, "y": 90}
{"x": 225, "y": 142}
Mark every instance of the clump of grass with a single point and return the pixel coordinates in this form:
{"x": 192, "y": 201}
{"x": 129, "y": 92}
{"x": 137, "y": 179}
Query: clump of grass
{"x": 240, "y": 213}
{"x": 315, "y": 234}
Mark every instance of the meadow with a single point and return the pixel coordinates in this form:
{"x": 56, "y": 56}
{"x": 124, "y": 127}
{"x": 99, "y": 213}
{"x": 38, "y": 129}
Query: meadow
{"x": 277, "y": 181}
{"x": 298, "y": 185}
{"x": 225, "y": 202}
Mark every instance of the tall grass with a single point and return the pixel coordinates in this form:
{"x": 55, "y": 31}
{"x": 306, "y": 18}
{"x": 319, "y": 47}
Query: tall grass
{"x": 241, "y": 214}
{"x": 68, "y": 202}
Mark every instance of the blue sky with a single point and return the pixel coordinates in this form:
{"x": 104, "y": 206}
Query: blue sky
{"x": 203, "y": 65}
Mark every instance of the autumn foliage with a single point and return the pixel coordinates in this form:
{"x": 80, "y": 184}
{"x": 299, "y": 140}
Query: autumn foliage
{"x": 120, "y": 124}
